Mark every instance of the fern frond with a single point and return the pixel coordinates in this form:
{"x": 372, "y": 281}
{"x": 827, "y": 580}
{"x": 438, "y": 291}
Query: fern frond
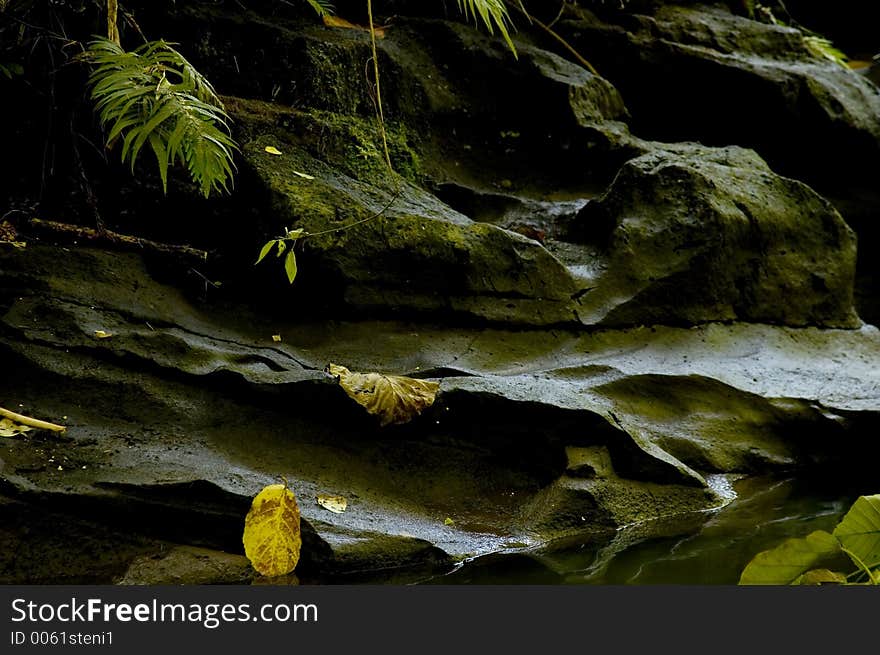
{"x": 154, "y": 96}
{"x": 493, "y": 13}
{"x": 321, "y": 7}
{"x": 822, "y": 47}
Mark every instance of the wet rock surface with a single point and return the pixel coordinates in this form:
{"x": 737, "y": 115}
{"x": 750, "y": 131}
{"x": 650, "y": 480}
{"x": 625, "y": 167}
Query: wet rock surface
{"x": 187, "y": 410}
{"x": 620, "y": 327}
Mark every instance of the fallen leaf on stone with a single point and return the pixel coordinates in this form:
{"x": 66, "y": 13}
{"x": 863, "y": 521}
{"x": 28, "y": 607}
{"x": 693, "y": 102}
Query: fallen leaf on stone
{"x": 271, "y": 538}
{"x": 305, "y": 175}
{"x": 272, "y": 150}
{"x": 393, "y": 398}
{"x": 276, "y": 338}
{"x": 100, "y": 334}
{"x": 448, "y": 521}
{"x": 9, "y": 428}
{"x": 336, "y": 504}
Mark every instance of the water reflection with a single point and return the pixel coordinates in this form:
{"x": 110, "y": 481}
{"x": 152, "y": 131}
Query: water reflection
{"x": 698, "y": 549}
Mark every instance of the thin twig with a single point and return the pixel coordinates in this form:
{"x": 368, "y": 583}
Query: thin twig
{"x": 380, "y": 111}
{"x": 130, "y": 242}
{"x": 358, "y": 222}
{"x": 558, "y": 38}
{"x": 21, "y": 419}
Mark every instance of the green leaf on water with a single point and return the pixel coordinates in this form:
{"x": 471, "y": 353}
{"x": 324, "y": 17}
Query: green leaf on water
{"x": 859, "y": 531}
{"x": 787, "y": 562}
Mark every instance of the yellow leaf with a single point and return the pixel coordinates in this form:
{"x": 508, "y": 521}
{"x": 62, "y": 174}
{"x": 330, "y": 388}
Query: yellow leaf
{"x": 305, "y": 175}
{"x": 448, "y": 521}
{"x": 9, "y": 428}
{"x": 393, "y": 398}
{"x": 100, "y": 334}
{"x": 276, "y": 338}
{"x": 271, "y": 537}
{"x": 335, "y": 504}
{"x": 272, "y": 150}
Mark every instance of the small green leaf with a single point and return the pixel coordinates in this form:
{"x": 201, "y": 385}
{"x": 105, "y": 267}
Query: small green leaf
{"x": 290, "y": 265}
{"x": 295, "y": 234}
{"x": 282, "y": 246}
{"x": 790, "y": 560}
{"x": 266, "y": 250}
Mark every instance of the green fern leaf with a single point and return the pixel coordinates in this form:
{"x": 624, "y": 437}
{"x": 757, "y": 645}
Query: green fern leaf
{"x": 290, "y": 266}
{"x": 154, "y": 95}
{"x": 321, "y": 7}
{"x": 494, "y": 15}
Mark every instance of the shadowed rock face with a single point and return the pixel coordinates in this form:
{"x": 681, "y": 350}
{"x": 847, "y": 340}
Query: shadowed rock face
{"x": 701, "y": 73}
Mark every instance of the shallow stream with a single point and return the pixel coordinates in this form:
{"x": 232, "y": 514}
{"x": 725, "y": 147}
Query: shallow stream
{"x": 695, "y": 551}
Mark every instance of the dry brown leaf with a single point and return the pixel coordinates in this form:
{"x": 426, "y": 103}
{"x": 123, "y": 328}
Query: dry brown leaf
{"x": 336, "y": 21}
{"x": 393, "y": 398}
{"x": 336, "y": 504}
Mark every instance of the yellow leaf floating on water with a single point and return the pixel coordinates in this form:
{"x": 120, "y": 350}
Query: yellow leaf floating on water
{"x": 276, "y": 338}
{"x": 9, "y": 428}
{"x": 272, "y": 150}
{"x": 336, "y": 504}
{"x": 271, "y": 537}
{"x": 101, "y": 334}
{"x": 393, "y": 398}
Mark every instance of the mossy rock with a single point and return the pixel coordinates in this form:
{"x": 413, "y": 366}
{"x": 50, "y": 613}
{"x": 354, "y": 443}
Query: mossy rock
{"x": 695, "y": 234}
{"x": 382, "y": 243}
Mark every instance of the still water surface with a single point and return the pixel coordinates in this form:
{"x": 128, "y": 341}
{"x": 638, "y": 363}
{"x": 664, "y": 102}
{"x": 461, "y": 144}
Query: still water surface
{"x": 698, "y": 550}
